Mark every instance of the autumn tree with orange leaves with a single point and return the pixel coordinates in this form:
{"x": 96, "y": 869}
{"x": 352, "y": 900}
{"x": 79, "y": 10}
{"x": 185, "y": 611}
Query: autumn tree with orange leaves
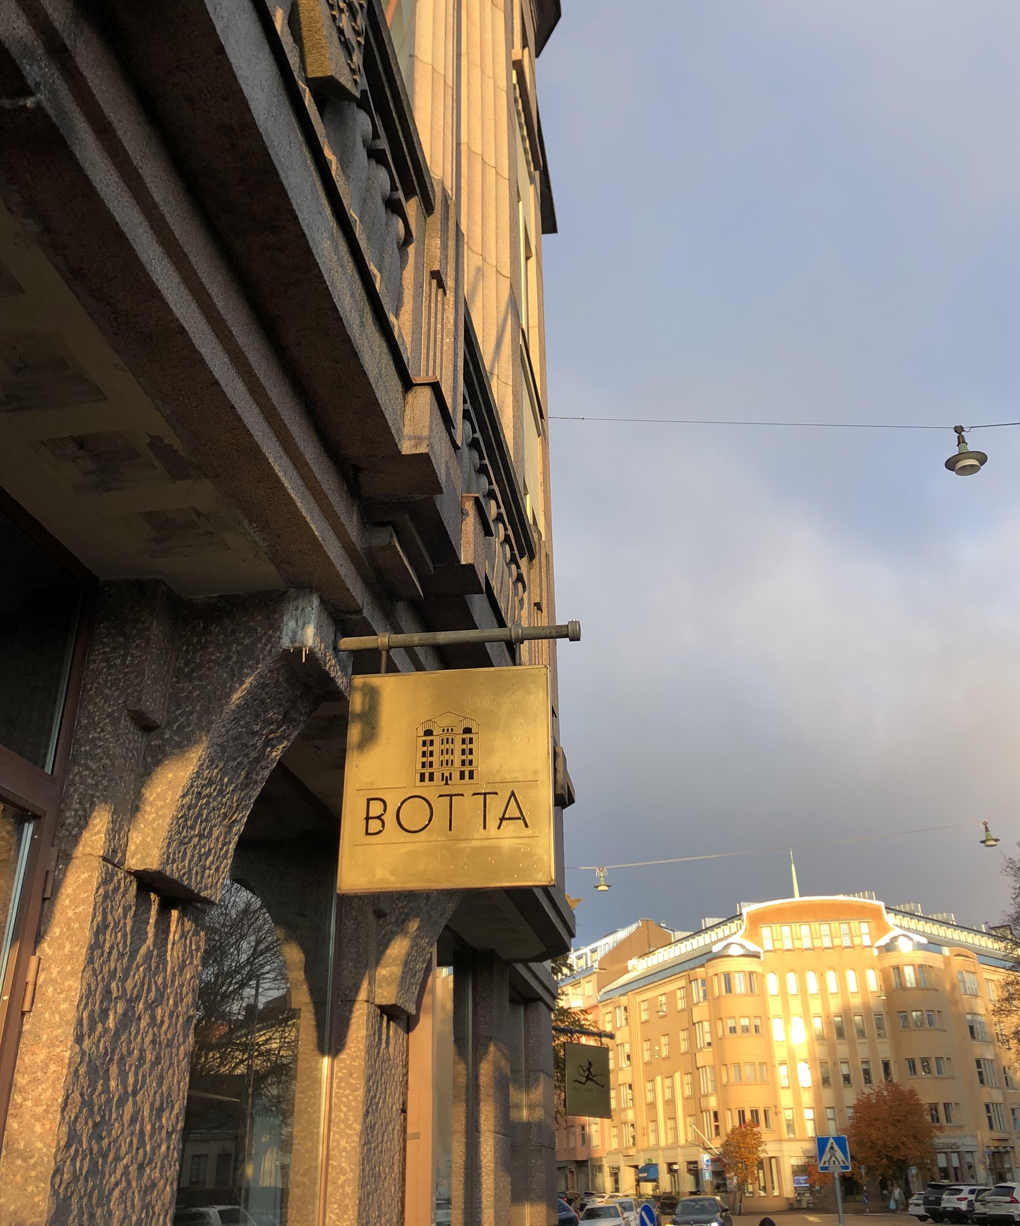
{"x": 741, "y": 1152}
{"x": 892, "y": 1131}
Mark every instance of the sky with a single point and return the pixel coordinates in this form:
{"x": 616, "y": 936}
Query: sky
{"x": 785, "y": 210}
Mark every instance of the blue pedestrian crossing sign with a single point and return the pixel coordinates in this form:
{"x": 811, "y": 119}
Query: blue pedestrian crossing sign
{"x": 833, "y": 1153}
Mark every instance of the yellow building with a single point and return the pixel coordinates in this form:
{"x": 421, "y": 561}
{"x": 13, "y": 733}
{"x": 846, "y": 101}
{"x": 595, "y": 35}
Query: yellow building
{"x": 780, "y": 1017}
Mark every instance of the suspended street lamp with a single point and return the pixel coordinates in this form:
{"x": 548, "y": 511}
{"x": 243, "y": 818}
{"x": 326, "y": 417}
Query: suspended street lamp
{"x": 600, "y": 880}
{"x": 989, "y": 840}
{"x": 966, "y": 462}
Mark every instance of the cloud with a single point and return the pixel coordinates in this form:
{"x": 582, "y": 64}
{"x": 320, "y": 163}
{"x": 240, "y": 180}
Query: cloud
{"x": 798, "y": 211}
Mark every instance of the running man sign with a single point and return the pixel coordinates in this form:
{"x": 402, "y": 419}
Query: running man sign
{"x": 587, "y": 1080}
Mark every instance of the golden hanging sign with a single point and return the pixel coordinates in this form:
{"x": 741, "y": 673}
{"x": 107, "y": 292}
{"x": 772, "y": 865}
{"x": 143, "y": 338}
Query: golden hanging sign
{"x": 448, "y": 781}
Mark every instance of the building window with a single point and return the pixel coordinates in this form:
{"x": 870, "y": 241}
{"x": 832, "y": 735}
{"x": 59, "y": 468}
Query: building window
{"x": 626, "y": 1094}
{"x": 787, "y": 933}
{"x": 584, "y": 1136}
{"x": 612, "y": 1097}
{"x": 851, "y": 982}
{"x": 812, "y": 983}
{"x": 977, "y": 1028}
{"x": 865, "y": 933}
{"x": 766, "y": 1117}
{"x": 784, "y": 1076}
{"x": 681, "y": 996}
{"x": 745, "y": 1025}
{"x": 917, "y": 1018}
{"x": 880, "y": 1025}
{"x": 791, "y": 983}
{"x": 866, "y": 1072}
{"x": 909, "y": 977}
{"x": 947, "y": 1114}
{"x": 650, "y": 1091}
{"x": 897, "y": 977}
{"x": 757, "y": 1025}
{"x": 844, "y": 1072}
{"x": 688, "y": 1085}
{"x": 830, "y": 1121}
{"x": 968, "y": 983}
{"x": 607, "y": 1020}
{"x": 986, "y": 1072}
{"x": 755, "y": 1117}
{"x": 823, "y": 1072}
{"x": 623, "y": 1054}
{"x": 667, "y": 1089}
{"x": 926, "y": 1066}
{"x": 731, "y": 1025}
{"x": 859, "y": 1030}
{"x": 804, "y": 1074}
{"x": 685, "y": 1040}
{"x": 706, "y": 1078}
{"x": 777, "y": 1030}
{"x": 939, "y": 1069}
{"x": 700, "y": 989}
{"x": 644, "y": 1010}
{"x": 832, "y": 983}
{"x": 791, "y": 1127}
{"x": 887, "y": 1070}
{"x": 772, "y": 981}
{"x": 797, "y": 1034}
{"x": 805, "y": 936}
{"x": 844, "y": 935}
{"x": 826, "y": 936}
{"x": 930, "y": 1014}
{"x": 922, "y": 978}
{"x": 837, "y": 1025}
{"x": 872, "y": 979}
{"x": 662, "y": 1005}
{"x": 933, "y": 1113}
{"x": 818, "y": 1027}
{"x": 809, "y": 1121}
{"x": 1007, "y": 1077}
{"x": 904, "y": 1020}
{"x": 766, "y": 937}
{"x": 737, "y": 1072}
{"x": 665, "y": 1046}
{"x": 702, "y": 1035}
{"x": 646, "y": 1049}
{"x": 763, "y": 1071}
{"x": 911, "y": 1067}
{"x": 727, "y": 985}
{"x": 995, "y": 1117}
{"x": 621, "y": 1015}
{"x": 749, "y": 1071}
{"x": 671, "y": 1132}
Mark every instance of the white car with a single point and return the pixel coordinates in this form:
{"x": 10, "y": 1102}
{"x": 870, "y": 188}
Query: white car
{"x": 958, "y": 1201}
{"x": 915, "y": 1207}
{"x": 1001, "y": 1204}
{"x": 609, "y": 1212}
{"x": 627, "y": 1208}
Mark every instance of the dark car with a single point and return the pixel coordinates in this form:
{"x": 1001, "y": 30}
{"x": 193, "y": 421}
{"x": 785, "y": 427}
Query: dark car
{"x": 665, "y": 1206}
{"x": 702, "y": 1211}
{"x": 933, "y": 1194}
{"x": 565, "y": 1216}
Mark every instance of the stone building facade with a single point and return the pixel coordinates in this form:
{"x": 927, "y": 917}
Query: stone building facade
{"x": 780, "y": 1017}
{"x": 272, "y": 371}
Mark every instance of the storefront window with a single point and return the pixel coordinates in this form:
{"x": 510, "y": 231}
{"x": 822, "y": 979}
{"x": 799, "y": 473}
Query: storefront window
{"x": 39, "y": 604}
{"x": 253, "y": 1124}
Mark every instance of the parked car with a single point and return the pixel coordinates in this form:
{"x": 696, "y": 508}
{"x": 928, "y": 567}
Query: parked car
{"x": 915, "y": 1207}
{"x": 627, "y": 1207}
{"x": 664, "y": 1204}
{"x": 609, "y": 1211}
{"x": 979, "y": 1214}
{"x": 565, "y": 1216}
{"x": 590, "y": 1198}
{"x": 702, "y": 1211}
{"x": 1001, "y": 1204}
{"x": 213, "y": 1215}
{"x": 958, "y": 1201}
{"x": 933, "y": 1194}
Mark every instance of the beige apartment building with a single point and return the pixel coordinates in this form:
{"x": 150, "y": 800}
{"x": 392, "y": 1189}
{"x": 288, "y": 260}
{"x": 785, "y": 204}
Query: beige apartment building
{"x": 781, "y": 1016}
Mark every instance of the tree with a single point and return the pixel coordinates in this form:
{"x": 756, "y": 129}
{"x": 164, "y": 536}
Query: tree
{"x": 891, "y": 1131}
{"x": 569, "y": 1018}
{"x": 741, "y": 1152}
{"x": 1007, "y": 1008}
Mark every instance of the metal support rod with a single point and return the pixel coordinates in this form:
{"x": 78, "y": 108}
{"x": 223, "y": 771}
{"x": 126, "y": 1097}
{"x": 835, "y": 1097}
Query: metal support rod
{"x": 839, "y": 1195}
{"x": 595, "y": 1034}
{"x": 455, "y": 638}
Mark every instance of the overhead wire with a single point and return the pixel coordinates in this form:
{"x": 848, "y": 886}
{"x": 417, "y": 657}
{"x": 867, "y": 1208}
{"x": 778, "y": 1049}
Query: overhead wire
{"x": 757, "y": 851}
{"x": 824, "y": 425}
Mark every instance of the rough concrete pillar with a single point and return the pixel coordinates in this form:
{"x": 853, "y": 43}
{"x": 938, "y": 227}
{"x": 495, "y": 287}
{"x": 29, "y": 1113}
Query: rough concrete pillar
{"x": 185, "y": 709}
{"x": 385, "y": 949}
{"x": 481, "y": 1089}
{"x": 532, "y": 1112}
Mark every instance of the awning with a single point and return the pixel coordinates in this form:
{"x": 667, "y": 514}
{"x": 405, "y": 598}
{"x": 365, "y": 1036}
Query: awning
{"x": 649, "y": 1173}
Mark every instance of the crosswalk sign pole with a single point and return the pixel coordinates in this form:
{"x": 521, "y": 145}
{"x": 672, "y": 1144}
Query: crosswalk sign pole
{"x": 838, "y": 1180}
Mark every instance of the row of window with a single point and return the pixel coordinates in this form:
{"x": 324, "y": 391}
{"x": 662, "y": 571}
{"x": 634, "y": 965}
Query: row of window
{"x": 810, "y": 936}
{"x": 929, "y": 1066}
{"x": 798, "y": 1032}
{"x": 915, "y": 1019}
{"x": 812, "y": 982}
{"x": 914, "y": 977}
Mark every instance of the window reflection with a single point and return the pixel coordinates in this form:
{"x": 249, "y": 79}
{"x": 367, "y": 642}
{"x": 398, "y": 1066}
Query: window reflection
{"x": 252, "y": 1133}
{"x": 15, "y": 844}
{"x": 39, "y": 603}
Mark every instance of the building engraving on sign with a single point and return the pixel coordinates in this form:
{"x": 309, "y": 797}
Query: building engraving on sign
{"x": 456, "y": 800}
{"x": 447, "y": 746}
